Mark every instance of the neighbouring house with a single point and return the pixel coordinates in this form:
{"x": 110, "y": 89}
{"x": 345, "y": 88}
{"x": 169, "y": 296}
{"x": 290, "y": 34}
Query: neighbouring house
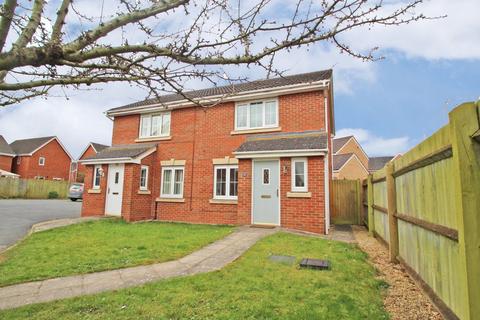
{"x": 6, "y": 156}
{"x": 377, "y": 163}
{"x": 79, "y": 169}
{"x": 349, "y": 159}
{"x": 252, "y": 153}
{"x": 41, "y": 158}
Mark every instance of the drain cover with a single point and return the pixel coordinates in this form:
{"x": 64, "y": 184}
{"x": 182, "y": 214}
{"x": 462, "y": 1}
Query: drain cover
{"x": 282, "y": 259}
{"x": 317, "y": 264}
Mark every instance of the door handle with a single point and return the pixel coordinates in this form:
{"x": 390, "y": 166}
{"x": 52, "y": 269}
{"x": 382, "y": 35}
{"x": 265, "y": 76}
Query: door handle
{"x": 114, "y": 193}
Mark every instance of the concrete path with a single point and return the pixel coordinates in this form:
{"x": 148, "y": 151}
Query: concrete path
{"x": 212, "y": 257}
{"x": 17, "y": 216}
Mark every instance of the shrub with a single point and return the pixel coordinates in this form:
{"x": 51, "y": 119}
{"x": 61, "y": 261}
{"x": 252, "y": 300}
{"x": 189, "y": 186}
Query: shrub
{"x": 53, "y": 195}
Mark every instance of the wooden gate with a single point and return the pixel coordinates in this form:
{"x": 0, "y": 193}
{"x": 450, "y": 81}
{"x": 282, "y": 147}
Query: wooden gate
{"x": 346, "y": 202}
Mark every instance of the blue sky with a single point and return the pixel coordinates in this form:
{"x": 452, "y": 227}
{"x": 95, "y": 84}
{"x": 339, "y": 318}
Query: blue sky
{"x": 390, "y": 105}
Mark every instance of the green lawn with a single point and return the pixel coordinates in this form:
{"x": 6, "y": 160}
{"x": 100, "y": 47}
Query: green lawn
{"x": 102, "y": 245}
{"x": 253, "y": 287}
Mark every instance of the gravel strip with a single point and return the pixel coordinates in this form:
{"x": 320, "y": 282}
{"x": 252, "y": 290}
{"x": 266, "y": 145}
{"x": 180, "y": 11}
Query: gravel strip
{"x": 403, "y": 299}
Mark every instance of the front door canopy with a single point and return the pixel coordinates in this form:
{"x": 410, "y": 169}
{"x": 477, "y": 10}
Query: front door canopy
{"x": 130, "y": 153}
{"x": 290, "y": 144}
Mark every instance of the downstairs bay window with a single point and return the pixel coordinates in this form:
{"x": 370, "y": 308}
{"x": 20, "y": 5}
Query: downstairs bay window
{"x": 172, "y": 182}
{"x": 225, "y": 182}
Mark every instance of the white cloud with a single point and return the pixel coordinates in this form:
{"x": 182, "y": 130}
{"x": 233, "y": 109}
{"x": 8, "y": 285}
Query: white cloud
{"x": 453, "y": 37}
{"x": 375, "y": 145}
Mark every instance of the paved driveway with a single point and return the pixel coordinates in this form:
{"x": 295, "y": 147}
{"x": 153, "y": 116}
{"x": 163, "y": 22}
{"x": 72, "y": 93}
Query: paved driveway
{"x": 17, "y": 216}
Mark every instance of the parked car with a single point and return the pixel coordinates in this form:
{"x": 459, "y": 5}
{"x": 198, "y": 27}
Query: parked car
{"x": 76, "y": 191}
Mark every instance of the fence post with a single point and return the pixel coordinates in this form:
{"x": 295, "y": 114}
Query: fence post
{"x": 464, "y": 124}
{"x": 360, "y": 202}
{"x": 392, "y": 211}
{"x": 371, "y": 218}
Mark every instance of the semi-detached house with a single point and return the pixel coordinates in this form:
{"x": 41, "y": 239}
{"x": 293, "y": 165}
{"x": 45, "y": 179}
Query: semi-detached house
{"x": 252, "y": 153}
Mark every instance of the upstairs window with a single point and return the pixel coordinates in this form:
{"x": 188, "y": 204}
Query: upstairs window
{"x": 258, "y": 114}
{"x": 41, "y": 161}
{"x": 155, "y": 125}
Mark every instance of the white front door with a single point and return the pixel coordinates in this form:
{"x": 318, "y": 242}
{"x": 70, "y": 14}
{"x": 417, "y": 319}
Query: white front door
{"x": 266, "y": 192}
{"x": 113, "y": 203}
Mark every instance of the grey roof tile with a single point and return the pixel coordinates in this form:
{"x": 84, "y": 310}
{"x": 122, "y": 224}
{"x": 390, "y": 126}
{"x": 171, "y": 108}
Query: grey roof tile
{"x": 377, "y": 163}
{"x": 98, "y": 147}
{"x": 307, "y": 140}
{"x": 5, "y": 147}
{"x": 27, "y": 146}
{"x": 122, "y": 151}
{"x": 338, "y": 143}
{"x": 237, "y": 88}
{"x": 340, "y": 159}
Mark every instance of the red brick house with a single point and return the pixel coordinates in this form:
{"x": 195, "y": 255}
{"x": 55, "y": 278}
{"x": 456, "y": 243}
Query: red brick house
{"x": 41, "y": 158}
{"x": 6, "y": 155}
{"x": 79, "y": 169}
{"x": 253, "y": 153}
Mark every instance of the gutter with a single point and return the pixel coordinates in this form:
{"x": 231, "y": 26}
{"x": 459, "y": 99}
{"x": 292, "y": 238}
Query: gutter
{"x": 280, "y": 153}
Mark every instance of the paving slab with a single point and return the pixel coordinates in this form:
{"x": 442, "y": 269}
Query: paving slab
{"x": 210, "y": 258}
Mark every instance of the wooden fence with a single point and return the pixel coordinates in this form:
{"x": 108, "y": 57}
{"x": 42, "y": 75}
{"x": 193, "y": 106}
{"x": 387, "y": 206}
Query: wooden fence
{"x": 346, "y": 202}
{"x": 425, "y": 206}
{"x": 31, "y": 189}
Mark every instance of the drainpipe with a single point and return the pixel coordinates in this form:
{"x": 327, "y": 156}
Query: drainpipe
{"x": 326, "y": 170}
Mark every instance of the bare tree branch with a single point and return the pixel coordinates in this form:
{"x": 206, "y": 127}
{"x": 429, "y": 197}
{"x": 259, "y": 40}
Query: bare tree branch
{"x": 8, "y": 9}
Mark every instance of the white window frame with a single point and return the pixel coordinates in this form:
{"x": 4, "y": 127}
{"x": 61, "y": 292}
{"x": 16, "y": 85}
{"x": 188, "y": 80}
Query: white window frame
{"x": 40, "y": 162}
{"x": 305, "y": 173}
{"x": 145, "y": 187}
{"x": 249, "y": 103}
{"x": 227, "y": 195}
{"x": 95, "y": 169}
{"x": 149, "y": 116}
{"x": 172, "y": 182}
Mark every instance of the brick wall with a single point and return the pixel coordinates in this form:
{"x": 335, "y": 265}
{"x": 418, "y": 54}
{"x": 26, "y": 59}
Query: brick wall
{"x": 94, "y": 203}
{"x": 6, "y": 163}
{"x": 303, "y": 213}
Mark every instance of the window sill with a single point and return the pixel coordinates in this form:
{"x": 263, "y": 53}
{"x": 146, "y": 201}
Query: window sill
{"x": 95, "y": 191}
{"x": 153, "y": 139}
{"x": 299, "y": 194}
{"x": 223, "y": 201}
{"x": 144, "y": 192}
{"x": 259, "y": 130}
{"x": 170, "y": 200}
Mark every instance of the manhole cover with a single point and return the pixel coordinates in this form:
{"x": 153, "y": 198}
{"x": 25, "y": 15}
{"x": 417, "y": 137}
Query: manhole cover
{"x": 282, "y": 259}
{"x": 317, "y": 264}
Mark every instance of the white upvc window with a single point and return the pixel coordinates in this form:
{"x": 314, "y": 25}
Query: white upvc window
{"x": 299, "y": 175}
{"x": 172, "y": 182}
{"x": 41, "y": 161}
{"x": 155, "y": 125}
{"x": 144, "y": 178}
{"x": 97, "y": 174}
{"x": 257, "y": 114}
{"x": 225, "y": 182}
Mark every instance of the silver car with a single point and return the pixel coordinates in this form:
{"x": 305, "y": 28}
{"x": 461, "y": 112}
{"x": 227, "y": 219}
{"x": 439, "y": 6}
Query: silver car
{"x": 76, "y": 191}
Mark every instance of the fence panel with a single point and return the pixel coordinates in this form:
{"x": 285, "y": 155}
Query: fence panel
{"x": 434, "y": 207}
{"x": 346, "y": 202}
{"x": 32, "y": 189}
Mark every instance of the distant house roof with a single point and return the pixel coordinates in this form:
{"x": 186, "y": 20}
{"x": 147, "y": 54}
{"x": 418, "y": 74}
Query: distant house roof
{"x": 98, "y": 147}
{"x": 283, "y": 142}
{"x": 28, "y": 146}
{"x": 121, "y": 153}
{"x": 338, "y": 143}
{"x": 339, "y": 160}
{"x": 5, "y": 148}
{"x": 377, "y": 163}
{"x": 304, "y": 78}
